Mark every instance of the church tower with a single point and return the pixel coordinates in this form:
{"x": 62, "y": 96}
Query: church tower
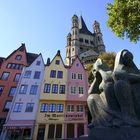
{"x": 99, "y": 39}
{"x": 83, "y": 43}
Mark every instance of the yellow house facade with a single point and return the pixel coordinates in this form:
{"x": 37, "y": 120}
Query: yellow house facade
{"x": 50, "y": 116}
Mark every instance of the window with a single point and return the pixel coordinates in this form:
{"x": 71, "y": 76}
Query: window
{"x": 18, "y": 107}
{"x": 1, "y": 89}
{"x": 62, "y": 89}
{"x": 59, "y": 107}
{"x": 77, "y": 64}
{"x": 37, "y": 74}
{"x": 9, "y": 65}
{"x": 17, "y": 77}
{"x": 7, "y": 106}
{"x": 27, "y": 74}
{"x": 18, "y": 57}
{"x": 5, "y": 76}
{"x": 53, "y": 73}
{"x": 52, "y": 107}
{"x": 54, "y": 88}
{"x": 80, "y": 76}
{"x": 23, "y": 89}
{"x": 57, "y": 62}
{"x": 60, "y": 74}
{"x": 73, "y": 90}
{"x": 81, "y": 39}
{"x": 70, "y": 108}
{"x": 47, "y": 88}
{"x": 38, "y": 63}
{"x": 81, "y": 90}
{"x": 86, "y": 41}
{"x": 73, "y": 76}
{"x": 72, "y": 49}
{"x": 80, "y": 108}
{"x": 44, "y": 108}
{"x": 33, "y": 89}
{"x": 15, "y": 66}
{"x": 29, "y": 107}
{"x": 12, "y": 91}
{"x": 91, "y": 42}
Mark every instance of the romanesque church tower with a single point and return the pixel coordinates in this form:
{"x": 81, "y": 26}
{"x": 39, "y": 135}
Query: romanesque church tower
{"x": 83, "y": 43}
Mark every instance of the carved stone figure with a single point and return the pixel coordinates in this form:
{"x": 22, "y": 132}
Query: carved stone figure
{"x": 101, "y": 100}
{"x": 114, "y": 97}
{"x": 126, "y": 79}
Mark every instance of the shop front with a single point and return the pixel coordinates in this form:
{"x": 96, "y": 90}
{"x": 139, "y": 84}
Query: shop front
{"x": 75, "y": 125}
{"x": 18, "y": 130}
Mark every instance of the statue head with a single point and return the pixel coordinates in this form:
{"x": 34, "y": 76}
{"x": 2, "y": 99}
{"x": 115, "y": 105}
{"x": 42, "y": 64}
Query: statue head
{"x": 124, "y": 58}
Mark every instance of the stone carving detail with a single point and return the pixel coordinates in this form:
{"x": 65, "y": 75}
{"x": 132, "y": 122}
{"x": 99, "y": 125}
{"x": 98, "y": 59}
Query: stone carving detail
{"x": 114, "y": 96}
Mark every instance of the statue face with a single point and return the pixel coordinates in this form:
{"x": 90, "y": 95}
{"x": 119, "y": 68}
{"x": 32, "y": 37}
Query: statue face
{"x": 127, "y": 58}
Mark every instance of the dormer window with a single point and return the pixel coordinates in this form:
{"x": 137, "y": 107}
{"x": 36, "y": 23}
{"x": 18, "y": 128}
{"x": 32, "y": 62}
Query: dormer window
{"x": 18, "y": 57}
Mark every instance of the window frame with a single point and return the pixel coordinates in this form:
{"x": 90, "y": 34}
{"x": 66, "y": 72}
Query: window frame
{"x": 37, "y": 74}
{"x": 47, "y": 88}
{"x": 3, "y": 76}
{"x": 62, "y": 89}
{"x": 25, "y": 90}
{"x": 59, "y": 108}
{"x": 33, "y": 88}
{"x": 29, "y": 107}
{"x": 19, "y": 107}
{"x": 52, "y": 107}
{"x": 44, "y": 107}
{"x": 17, "y": 75}
{"x": 55, "y": 88}
{"x": 11, "y": 92}
{"x": 70, "y": 108}
{"x": 27, "y": 74}
{"x": 59, "y": 74}
{"x": 81, "y": 90}
{"x": 53, "y": 74}
{"x": 7, "y": 109}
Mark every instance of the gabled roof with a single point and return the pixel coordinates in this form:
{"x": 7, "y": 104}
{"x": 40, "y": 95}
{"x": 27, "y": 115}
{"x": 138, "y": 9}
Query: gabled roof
{"x": 77, "y": 58}
{"x": 21, "y": 48}
{"x": 83, "y": 28}
{"x": 57, "y": 54}
{"x": 31, "y": 57}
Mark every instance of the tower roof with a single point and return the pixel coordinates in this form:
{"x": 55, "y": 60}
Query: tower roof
{"x": 83, "y": 28}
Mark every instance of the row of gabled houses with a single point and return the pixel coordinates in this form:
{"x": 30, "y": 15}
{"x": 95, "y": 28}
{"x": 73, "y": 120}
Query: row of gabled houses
{"x": 42, "y": 101}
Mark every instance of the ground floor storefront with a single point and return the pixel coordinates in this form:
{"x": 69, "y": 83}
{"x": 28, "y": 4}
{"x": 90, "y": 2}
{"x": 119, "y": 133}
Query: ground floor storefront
{"x": 18, "y": 130}
{"x": 59, "y": 131}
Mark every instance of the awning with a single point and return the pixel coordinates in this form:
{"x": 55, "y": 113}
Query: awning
{"x": 12, "y": 124}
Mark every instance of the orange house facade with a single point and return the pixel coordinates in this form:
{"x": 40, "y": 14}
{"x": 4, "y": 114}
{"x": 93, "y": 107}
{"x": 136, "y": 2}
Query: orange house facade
{"x": 10, "y": 72}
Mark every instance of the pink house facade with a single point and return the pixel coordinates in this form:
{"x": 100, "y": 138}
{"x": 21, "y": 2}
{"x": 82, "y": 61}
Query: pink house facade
{"x": 76, "y": 103}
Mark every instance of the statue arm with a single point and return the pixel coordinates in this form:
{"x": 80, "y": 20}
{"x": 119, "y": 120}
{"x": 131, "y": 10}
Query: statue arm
{"x": 94, "y": 88}
{"x": 132, "y": 77}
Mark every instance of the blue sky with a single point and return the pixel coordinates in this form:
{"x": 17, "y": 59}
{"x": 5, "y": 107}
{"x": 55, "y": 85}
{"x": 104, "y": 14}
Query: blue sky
{"x": 44, "y": 24}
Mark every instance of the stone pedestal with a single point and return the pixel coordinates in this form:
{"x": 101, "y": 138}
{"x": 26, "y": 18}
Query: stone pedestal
{"x": 123, "y": 133}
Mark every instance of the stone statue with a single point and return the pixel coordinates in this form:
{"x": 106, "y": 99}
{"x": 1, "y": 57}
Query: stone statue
{"x": 126, "y": 78}
{"x": 101, "y": 100}
{"x": 114, "y": 97}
